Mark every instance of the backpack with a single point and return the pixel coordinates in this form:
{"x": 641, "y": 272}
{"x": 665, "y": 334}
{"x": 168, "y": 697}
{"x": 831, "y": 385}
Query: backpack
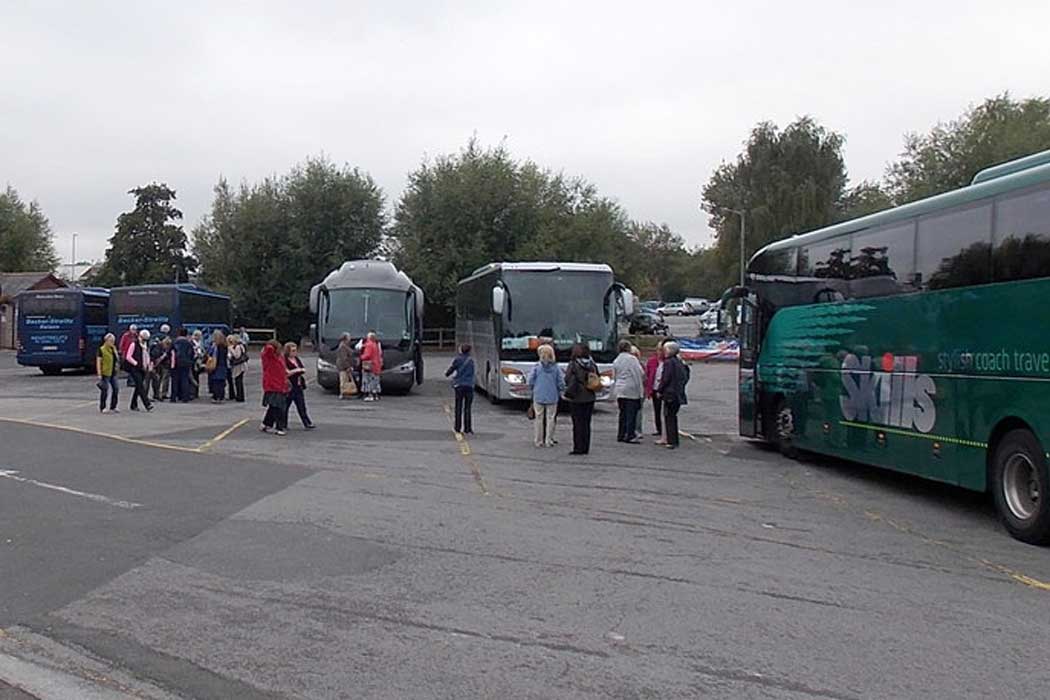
{"x": 594, "y": 382}
{"x": 683, "y": 381}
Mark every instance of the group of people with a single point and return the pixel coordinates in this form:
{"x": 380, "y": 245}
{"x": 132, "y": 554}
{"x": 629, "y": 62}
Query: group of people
{"x": 284, "y": 385}
{"x": 166, "y": 367}
{"x": 360, "y": 366}
{"x": 175, "y": 368}
{"x": 662, "y": 381}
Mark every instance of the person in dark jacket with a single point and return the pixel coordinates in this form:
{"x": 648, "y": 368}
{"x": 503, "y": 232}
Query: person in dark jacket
{"x": 219, "y": 358}
{"x": 182, "y": 365}
{"x": 671, "y": 389}
{"x": 138, "y": 364}
{"x": 160, "y": 359}
{"x": 581, "y": 398}
{"x": 463, "y": 386}
{"x": 297, "y": 380}
{"x": 344, "y": 362}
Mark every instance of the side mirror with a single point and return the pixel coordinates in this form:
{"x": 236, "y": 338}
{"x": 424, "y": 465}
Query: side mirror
{"x": 315, "y": 294}
{"x": 313, "y": 335}
{"x": 499, "y": 300}
{"x": 628, "y": 302}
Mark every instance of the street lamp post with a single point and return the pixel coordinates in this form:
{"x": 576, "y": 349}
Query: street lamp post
{"x": 73, "y": 262}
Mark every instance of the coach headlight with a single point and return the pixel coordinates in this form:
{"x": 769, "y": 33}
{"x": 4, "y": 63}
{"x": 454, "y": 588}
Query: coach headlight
{"x": 406, "y": 367}
{"x": 513, "y": 376}
{"x": 326, "y": 366}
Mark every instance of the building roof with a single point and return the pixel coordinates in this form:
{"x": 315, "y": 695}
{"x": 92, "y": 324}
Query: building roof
{"x": 14, "y": 283}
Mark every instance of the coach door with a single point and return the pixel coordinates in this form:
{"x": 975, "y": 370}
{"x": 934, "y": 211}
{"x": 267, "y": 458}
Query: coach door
{"x": 747, "y": 334}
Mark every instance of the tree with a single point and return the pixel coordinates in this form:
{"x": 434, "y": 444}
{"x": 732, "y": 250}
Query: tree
{"x": 465, "y": 210}
{"x": 147, "y": 247}
{"x": 997, "y": 130}
{"x": 865, "y": 198}
{"x": 25, "y": 236}
{"x": 268, "y": 243}
{"x": 653, "y": 262}
{"x": 786, "y": 182}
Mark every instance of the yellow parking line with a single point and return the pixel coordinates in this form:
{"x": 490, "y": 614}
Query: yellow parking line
{"x": 464, "y": 449}
{"x": 223, "y": 435}
{"x": 109, "y": 436}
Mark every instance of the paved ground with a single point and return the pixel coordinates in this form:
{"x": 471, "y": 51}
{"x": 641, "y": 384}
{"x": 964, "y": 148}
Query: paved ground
{"x": 163, "y": 555}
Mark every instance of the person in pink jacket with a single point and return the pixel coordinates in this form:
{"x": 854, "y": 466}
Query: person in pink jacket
{"x": 652, "y": 380}
{"x": 136, "y": 358}
{"x": 371, "y": 366}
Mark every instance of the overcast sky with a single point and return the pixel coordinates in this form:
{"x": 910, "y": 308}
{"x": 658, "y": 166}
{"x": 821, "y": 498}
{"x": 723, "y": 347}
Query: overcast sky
{"x": 644, "y": 99}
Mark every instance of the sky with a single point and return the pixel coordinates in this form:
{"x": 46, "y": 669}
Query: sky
{"x": 644, "y": 99}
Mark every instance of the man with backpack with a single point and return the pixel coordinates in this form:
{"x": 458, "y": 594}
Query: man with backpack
{"x": 673, "y": 380}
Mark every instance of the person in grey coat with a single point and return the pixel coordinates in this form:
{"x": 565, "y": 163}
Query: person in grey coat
{"x": 628, "y": 387}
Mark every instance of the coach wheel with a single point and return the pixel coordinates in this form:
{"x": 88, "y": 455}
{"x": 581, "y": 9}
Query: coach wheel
{"x": 51, "y": 370}
{"x": 1019, "y": 485}
{"x": 783, "y": 428}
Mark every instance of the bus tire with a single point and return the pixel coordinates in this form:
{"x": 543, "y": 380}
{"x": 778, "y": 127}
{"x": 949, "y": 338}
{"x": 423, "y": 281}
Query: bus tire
{"x": 782, "y": 424}
{"x": 51, "y": 370}
{"x": 1021, "y": 486}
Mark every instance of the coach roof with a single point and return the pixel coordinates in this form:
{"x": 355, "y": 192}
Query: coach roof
{"x": 371, "y": 274}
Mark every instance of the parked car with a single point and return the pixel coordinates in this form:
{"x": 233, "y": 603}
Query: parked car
{"x": 697, "y": 305}
{"x": 647, "y": 323}
{"x": 651, "y": 305}
{"x": 677, "y": 308}
{"x": 709, "y": 321}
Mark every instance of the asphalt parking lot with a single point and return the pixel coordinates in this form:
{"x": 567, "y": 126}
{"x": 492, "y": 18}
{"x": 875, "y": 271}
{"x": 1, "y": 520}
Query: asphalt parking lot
{"x": 184, "y": 554}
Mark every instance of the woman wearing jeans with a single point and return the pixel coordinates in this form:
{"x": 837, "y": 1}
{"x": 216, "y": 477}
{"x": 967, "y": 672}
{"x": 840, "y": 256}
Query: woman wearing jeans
{"x": 297, "y": 379}
{"x": 106, "y": 365}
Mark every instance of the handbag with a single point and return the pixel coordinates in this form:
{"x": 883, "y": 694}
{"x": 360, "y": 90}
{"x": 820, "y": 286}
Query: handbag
{"x": 531, "y": 413}
{"x": 210, "y": 364}
{"x": 366, "y": 365}
{"x": 347, "y": 385}
{"x": 594, "y": 382}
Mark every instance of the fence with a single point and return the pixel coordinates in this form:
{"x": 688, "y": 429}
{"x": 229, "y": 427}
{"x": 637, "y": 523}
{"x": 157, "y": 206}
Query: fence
{"x": 439, "y": 337}
{"x": 258, "y": 336}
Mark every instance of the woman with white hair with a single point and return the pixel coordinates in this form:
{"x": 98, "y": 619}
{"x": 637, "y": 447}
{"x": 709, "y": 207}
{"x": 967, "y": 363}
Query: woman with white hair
{"x": 138, "y": 364}
{"x": 673, "y": 378}
{"x": 199, "y": 357}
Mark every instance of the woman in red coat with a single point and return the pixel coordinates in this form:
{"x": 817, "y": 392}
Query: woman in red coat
{"x": 371, "y": 366}
{"x": 275, "y": 389}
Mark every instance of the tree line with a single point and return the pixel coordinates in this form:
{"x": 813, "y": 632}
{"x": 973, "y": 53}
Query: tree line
{"x": 266, "y": 243}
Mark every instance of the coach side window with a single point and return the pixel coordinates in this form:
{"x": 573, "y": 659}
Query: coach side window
{"x": 954, "y": 248}
{"x": 782, "y": 263}
{"x": 883, "y": 261}
{"x": 823, "y": 270}
{"x": 1022, "y": 236}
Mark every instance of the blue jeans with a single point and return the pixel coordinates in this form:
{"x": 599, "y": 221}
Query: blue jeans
{"x": 109, "y": 388}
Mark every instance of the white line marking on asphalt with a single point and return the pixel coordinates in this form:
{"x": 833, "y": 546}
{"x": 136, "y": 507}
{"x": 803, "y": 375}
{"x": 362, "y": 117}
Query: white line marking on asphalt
{"x": 13, "y": 475}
